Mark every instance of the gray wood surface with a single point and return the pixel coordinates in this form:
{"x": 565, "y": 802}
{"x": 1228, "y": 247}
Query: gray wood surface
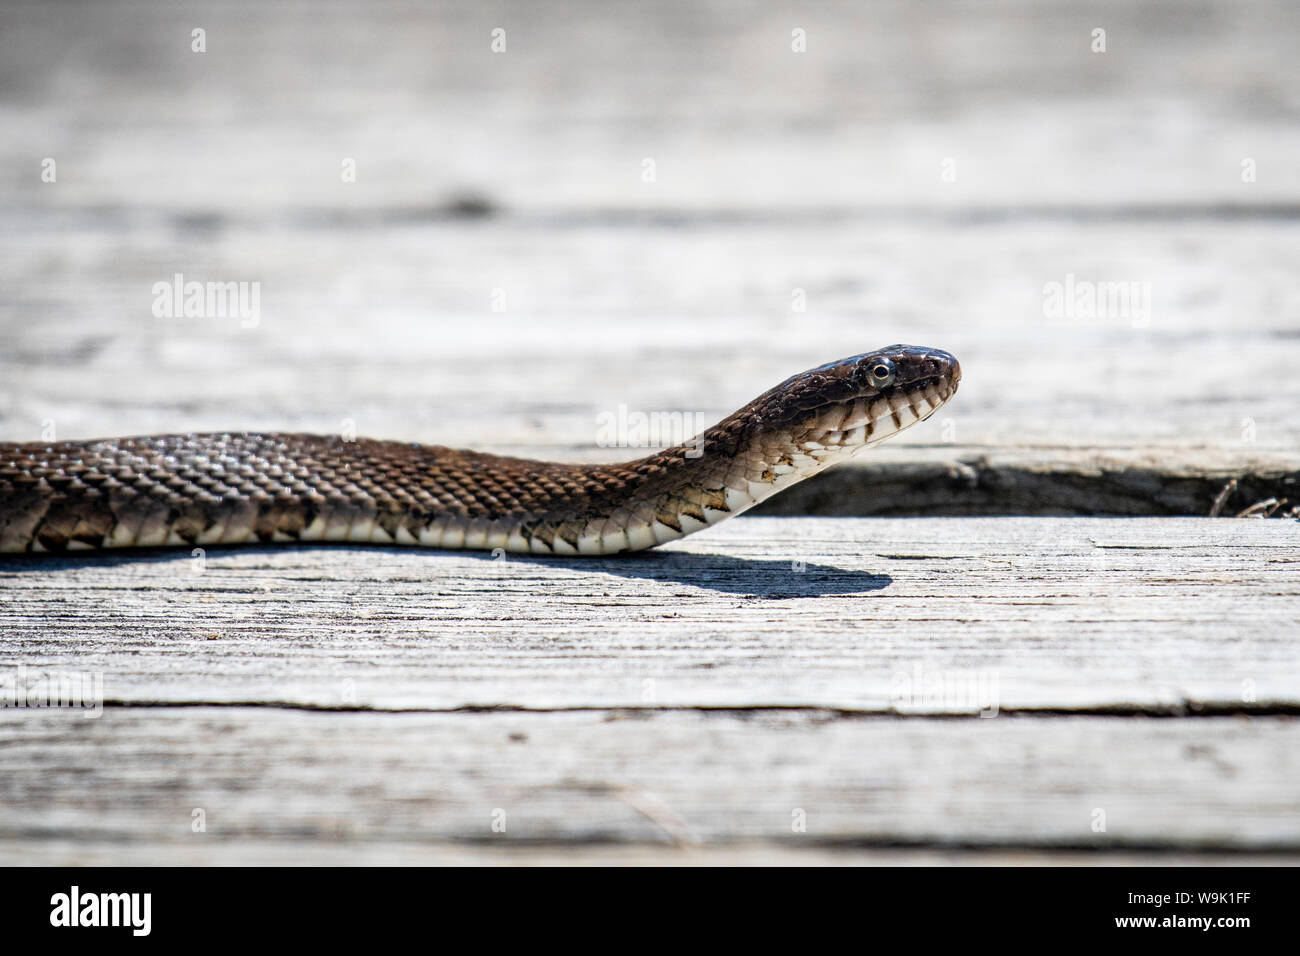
{"x": 398, "y": 340}
{"x": 501, "y": 274}
{"x": 1148, "y": 614}
{"x": 136, "y": 777}
{"x": 344, "y": 852}
{"x": 383, "y": 703}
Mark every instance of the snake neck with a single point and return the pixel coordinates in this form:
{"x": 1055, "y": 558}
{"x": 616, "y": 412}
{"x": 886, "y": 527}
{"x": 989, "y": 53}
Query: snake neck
{"x": 745, "y": 459}
{"x": 723, "y": 472}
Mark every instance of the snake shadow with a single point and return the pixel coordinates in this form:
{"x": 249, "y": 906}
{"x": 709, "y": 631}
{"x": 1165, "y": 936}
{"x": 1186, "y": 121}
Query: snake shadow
{"x": 749, "y": 577}
{"x": 726, "y": 574}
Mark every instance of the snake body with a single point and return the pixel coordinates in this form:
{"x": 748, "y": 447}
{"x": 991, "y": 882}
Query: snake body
{"x": 229, "y": 489}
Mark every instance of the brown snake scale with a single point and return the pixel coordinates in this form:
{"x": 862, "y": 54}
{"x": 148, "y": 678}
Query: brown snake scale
{"x": 221, "y": 489}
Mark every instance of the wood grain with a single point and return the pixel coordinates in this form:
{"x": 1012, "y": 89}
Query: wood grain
{"x": 786, "y": 780}
{"x": 1057, "y": 613}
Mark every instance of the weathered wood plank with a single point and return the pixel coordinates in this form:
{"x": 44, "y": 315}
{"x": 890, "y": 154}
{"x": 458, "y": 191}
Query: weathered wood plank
{"x": 1011, "y": 91}
{"x": 948, "y": 480}
{"x": 390, "y": 331}
{"x": 948, "y": 615}
{"x": 346, "y": 852}
{"x": 357, "y": 780}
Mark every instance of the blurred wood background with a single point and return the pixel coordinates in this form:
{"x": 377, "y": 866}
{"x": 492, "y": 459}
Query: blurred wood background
{"x": 668, "y": 208}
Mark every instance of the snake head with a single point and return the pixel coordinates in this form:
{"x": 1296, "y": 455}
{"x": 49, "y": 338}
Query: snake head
{"x": 846, "y": 405}
{"x": 902, "y": 369}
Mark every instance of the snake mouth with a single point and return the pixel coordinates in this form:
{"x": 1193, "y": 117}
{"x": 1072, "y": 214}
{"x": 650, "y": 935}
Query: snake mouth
{"x": 869, "y": 421}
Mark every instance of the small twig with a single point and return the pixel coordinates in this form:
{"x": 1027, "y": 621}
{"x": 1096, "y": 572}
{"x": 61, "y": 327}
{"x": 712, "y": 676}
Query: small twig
{"x": 1222, "y": 498}
{"x": 659, "y": 813}
{"x": 1274, "y": 510}
{"x": 1260, "y": 509}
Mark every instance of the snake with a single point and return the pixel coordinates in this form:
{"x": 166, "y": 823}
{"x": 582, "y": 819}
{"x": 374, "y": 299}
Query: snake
{"x": 239, "y": 488}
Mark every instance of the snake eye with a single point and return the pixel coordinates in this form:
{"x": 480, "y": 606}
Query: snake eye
{"x": 881, "y": 373}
